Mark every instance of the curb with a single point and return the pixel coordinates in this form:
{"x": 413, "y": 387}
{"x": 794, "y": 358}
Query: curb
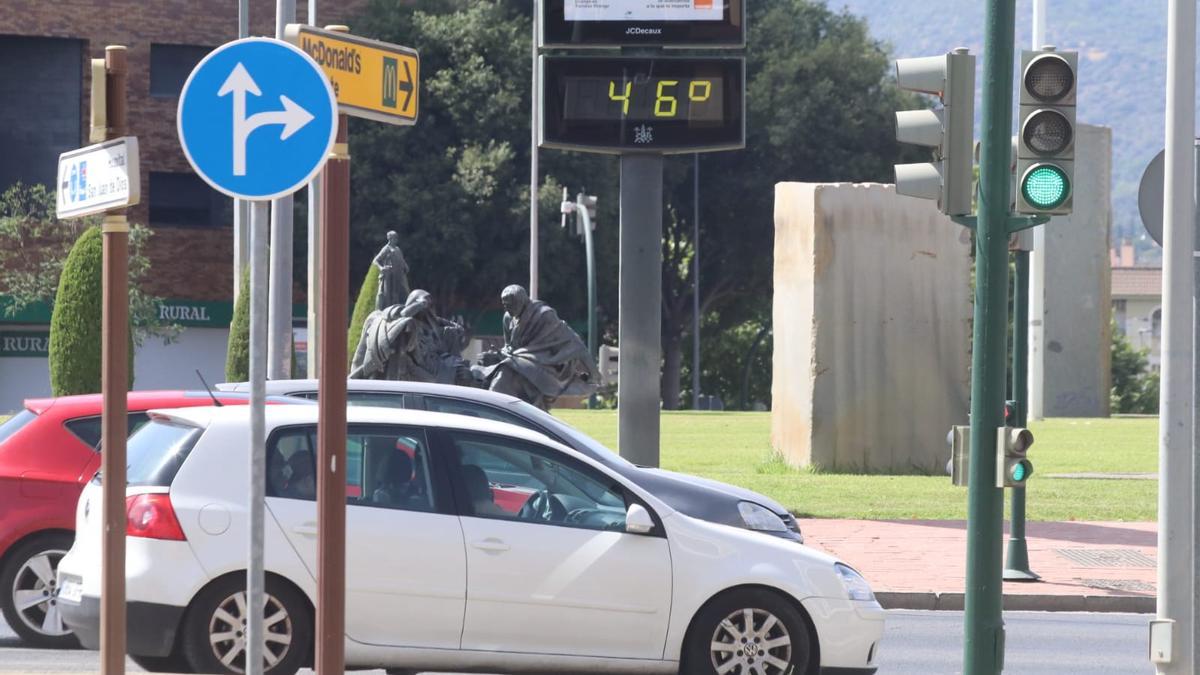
{"x": 1132, "y": 604}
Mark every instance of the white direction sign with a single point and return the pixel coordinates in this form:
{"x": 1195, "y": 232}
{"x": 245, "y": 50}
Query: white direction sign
{"x": 98, "y": 178}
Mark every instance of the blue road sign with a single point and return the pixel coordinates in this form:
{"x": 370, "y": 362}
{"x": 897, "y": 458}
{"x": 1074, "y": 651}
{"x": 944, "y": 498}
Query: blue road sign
{"x": 257, "y": 118}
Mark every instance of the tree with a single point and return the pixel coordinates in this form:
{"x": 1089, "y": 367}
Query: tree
{"x": 1134, "y": 387}
{"x": 819, "y": 108}
{"x": 362, "y": 308}
{"x": 237, "y": 355}
{"x": 76, "y": 322}
{"x": 34, "y": 245}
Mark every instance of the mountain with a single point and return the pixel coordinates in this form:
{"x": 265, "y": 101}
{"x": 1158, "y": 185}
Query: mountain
{"x": 1122, "y": 47}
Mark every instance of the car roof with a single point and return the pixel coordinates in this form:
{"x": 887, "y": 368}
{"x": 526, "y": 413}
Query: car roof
{"x": 136, "y": 401}
{"x": 279, "y": 416}
{"x": 393, "y": 386}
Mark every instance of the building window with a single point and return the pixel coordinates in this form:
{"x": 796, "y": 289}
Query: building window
{"x": 41, "y": 85}
{"x": 170, "y": 66}
{"x": 185, "y": 199}
{"x": 1156, "y": 324}
{"x": 1119, "y": 309}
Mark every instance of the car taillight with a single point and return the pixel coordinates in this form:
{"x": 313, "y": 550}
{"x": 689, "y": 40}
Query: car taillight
{"x": 151, "y": 516}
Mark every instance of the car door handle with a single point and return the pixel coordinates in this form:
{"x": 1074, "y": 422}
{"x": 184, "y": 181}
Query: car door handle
{"x": 491, "y": 545}
{"x": 307, "y": 530}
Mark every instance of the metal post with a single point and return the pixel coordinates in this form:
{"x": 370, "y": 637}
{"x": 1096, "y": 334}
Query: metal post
{"x": 534, "y": 122}
{"x": 983, "y": 650}
{"x": 581, "y": 209}
{"x": 1017, "y": 566}
{"x": 331, "y": 398}
{"x": 241, "y": 208}
{"x": 279, "y": 347}
{"x": 314, "y": 257}
{"x": 1037, "y": 276}
{"x": 255, "y": 575}
{"x": 114, "y": 389}
{"x": 640, "y": 312}
{"x": 696, "y": 281}
{"x": 1175, "y": 498}
{"x": 1196, "y": 406}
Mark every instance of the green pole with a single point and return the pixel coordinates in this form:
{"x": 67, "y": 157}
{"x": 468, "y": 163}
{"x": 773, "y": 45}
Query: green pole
{"x": 1017, "y": 566}
{"x": 983, "y": 645}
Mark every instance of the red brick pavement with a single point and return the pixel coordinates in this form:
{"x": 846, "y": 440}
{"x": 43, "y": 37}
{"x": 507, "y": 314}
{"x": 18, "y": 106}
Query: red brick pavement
{"x": 922, "y": 564}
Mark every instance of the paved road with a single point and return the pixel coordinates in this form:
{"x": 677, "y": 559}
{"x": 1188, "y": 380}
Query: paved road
{"x": 916, "y": 643}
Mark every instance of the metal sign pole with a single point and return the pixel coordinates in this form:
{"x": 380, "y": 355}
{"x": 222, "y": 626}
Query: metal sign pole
{"x": 640, "y": 311}
{"x": 314, "y": 256}
{"x": 279, "y": 348}
{"x": 534, "y": 121}
{"x": 115, "y": 388}
{"x": 255, "y": 575}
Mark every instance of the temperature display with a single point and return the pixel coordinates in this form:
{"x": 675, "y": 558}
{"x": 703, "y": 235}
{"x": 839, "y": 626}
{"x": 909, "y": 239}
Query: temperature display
{"x": 650, "y": 98}
{"x": 665, "y": 104}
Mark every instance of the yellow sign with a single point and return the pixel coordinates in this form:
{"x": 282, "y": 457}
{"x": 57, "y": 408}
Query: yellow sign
{"x": 371, "y": 79}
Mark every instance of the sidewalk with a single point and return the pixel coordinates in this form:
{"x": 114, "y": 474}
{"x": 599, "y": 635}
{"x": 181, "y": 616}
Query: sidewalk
{"x": 915, "y": 564}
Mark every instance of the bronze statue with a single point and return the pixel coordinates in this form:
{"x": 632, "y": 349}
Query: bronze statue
{"x": 542, "y": 357}
{"x": 393, "y": 274}
{"x": 411, "y": 342}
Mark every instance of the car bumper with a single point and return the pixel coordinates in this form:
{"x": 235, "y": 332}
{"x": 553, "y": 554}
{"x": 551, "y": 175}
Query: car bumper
{"x": 849, "y": 632}
{"x": 150, "y": 627}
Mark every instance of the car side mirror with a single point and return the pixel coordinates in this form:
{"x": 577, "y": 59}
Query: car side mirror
{"x": 638, "y": 520}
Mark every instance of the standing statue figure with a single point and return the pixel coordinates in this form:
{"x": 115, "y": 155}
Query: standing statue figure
{"x": 393, "y": 273}
{"x": 411, "y": 342}
{"x": 542, "y": 357}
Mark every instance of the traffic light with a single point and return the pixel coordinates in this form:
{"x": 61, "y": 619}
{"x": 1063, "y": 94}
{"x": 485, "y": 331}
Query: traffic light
{"x": 949, "y": 130}
{"x": 1012, "y": 467}
{"x": 959, "y": 440}
{"x": 1046, "y": 134}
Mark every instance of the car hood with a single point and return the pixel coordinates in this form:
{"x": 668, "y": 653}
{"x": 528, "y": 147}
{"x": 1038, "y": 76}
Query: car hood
{"x": 741, "y": 493}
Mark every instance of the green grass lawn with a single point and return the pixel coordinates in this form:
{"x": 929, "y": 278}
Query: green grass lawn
{"x": 735, "y": 447}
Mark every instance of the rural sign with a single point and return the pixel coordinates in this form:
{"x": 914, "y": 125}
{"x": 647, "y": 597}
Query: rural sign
{"x": 98, "y": 178}
{"x": 371, "y": 79}
{"x": 257, "y": 118}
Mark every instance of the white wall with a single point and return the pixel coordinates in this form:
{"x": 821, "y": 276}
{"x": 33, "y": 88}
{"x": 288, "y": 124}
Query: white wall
{"x": 156, "y": 366}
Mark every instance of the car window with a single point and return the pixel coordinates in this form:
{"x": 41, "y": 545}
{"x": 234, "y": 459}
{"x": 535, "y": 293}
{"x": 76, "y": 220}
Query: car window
{"x": 89, "y": 429}
{"x": 375, "y": 399}
{"x": 15, "y": 424}
{"x": 570, "y": 436}
{"x": 157, "y": 450}
{"x": 510, "y": 479}
{"x": 386, "y": 467}
{"x": 455, "y": 406}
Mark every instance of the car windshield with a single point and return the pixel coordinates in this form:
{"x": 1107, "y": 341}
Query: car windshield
{"x": 15, "y": 424}
{"x": 573, "y": 437}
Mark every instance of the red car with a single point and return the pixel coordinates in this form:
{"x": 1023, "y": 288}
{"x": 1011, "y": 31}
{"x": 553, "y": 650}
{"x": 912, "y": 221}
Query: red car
{"x": 48, "y": 451}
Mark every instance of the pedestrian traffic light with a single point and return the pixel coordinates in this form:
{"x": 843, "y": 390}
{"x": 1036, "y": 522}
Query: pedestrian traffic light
{"x": 1012, "y": 467}
{"x": 958, "y": 467}
{"x": 949, "y": 130}
{"x": 1046, "y": 134}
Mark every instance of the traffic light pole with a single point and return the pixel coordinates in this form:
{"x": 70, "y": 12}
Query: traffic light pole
{"x": 1017, "y": 566}
{"x": 983, "y": 647}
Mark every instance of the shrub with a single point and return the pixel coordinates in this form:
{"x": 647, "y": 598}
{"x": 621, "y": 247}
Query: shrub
{"x": 76, "y": 322}
{"x": 237, "y": 356}
{"x": 362, "y": 309}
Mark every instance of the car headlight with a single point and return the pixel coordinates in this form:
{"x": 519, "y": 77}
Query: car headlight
{"x": 758, "y": 517}
{"x": 856, "y": 586}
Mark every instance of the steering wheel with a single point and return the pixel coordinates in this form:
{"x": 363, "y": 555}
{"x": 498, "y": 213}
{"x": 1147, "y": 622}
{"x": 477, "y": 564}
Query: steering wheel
{"x": 544, "y": 507}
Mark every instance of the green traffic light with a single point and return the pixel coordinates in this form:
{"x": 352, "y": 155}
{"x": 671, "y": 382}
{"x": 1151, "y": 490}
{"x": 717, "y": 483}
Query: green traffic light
{"x": 1020, "y": 472}
{"x": 1045, "y": 186}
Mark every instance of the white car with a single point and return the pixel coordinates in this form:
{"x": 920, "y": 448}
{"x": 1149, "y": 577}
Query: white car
{"x": 470, "y": 545}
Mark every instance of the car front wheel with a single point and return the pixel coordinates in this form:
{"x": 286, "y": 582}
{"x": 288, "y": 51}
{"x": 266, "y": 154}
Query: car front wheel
{"x": 214, "y": 640}
{"x": 29, "y": 592}
{"x": 748, "y": 632}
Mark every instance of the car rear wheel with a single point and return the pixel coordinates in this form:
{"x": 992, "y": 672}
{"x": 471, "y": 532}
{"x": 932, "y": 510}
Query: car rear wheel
{"x": 29, "y": 592}
{"x": 750, "y": 632}
{"x": 214, "y": 640}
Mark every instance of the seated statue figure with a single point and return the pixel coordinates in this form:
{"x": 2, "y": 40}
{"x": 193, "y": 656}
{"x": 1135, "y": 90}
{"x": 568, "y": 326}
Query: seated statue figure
{"x": 542, "y": 357}
{"x": 411, "y": 342}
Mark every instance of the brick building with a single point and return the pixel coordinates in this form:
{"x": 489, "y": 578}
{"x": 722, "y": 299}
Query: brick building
{"x": 45, "y": 48}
